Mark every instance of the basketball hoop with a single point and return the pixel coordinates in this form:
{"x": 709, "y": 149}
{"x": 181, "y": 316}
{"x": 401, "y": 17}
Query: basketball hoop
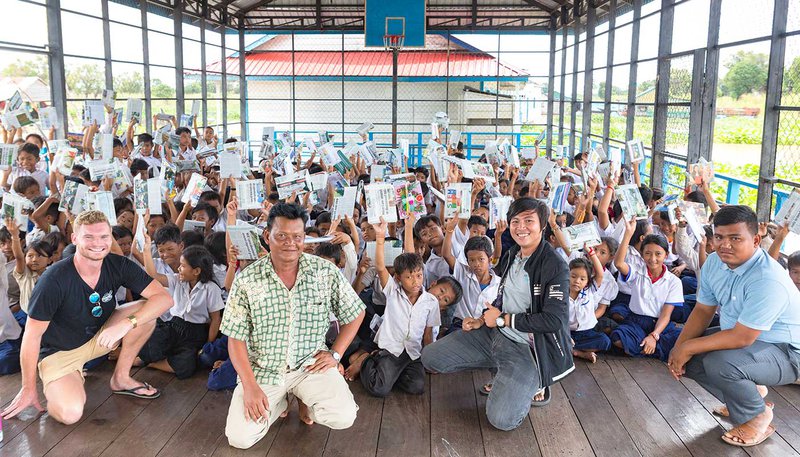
{"x": 393, "y": 42}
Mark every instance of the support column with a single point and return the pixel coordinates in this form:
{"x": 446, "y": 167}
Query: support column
{"x": 612, "y": 21}
{"x": 710, "y": 81}
{"x": 769, "y": 145}
{"x": 696, "y": 107}
{"x": 662, "y": 94}
{"x": 242, "y": 84}
{"x": 550, "y": 80}
{"x": 147, "y": 113}
{"x": 58, "y": 85}
{"x": 107, "y": 44}
{"x": 631, "y": 112}
{"x": 395, "y": 55}
{"x": 178, "y": 21}
{"x": 586, "y": 127}
{"x": 573, "y": 115}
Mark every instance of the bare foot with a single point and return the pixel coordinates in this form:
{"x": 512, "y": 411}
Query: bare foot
{"x": 305, "y": 416}
{"x": 539, "y": 396}
{"x": 119, "y": 383}
{"x": 586, "y": 355}
{"x": 114, "y": 355}
{"x": 217, "y": 364}
{"x": 356, "y": 360}
{"x": 752, "y": 432}
{"x": 722, "y": 411}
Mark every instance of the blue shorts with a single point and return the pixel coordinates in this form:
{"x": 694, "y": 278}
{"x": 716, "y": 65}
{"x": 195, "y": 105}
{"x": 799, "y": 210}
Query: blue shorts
{"x": 590, "y": 340}
{"x": 635, "y": 328}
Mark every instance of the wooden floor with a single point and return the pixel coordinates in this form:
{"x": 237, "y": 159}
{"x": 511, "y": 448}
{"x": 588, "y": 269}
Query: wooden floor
{"x": 616, "y": 407}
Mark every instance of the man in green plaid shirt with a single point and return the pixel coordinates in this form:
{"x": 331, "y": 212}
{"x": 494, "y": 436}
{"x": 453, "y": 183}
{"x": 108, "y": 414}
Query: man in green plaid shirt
{"x": 277, "y": 314}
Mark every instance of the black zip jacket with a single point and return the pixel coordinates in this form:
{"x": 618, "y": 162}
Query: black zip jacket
{"x": 547, "y": 319}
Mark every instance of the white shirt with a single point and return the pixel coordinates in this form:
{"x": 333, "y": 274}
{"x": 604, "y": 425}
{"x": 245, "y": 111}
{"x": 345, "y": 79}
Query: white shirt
{"x": 634, "y": 261}
{"x": 648, "y": 297}
{"x": 40, "y": 176}
{"x": 195, "y": 305}
{"x": 581, "y": 310}
{"x": 473, "y": 300}
{"x": 9, "y": 327}
{"x": 436, "y": 267}
{"x": 404, "y": 324}
{"x": 608, "y": 289}
{"x": 188, "y": 154}
{"x": 162, "y": 267}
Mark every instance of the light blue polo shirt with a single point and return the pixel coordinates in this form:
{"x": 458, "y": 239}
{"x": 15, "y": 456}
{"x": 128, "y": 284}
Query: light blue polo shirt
{"x": 758, "y": 294}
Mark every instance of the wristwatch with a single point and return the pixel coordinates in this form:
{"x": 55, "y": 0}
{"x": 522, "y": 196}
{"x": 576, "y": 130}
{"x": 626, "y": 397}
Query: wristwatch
{"x": 133, "y": 320}
{"x": 336, "y": 356}
{"x": 500, "y": 321}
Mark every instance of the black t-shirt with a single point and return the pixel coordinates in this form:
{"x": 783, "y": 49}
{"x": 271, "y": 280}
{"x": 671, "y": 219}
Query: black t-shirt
{"x": 62, "y": 297}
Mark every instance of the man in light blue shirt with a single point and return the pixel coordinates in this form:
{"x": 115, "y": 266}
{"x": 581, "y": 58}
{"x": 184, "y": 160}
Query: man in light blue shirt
{"x": 758, "y": 341}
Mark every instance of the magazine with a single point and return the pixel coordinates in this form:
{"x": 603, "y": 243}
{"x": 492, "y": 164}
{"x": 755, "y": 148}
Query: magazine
{"x": 230, "y": 165}
{"x": 631, "y": 202}
{"x": 93, "y": 112}
{"x": 251, "y": 194}
{"x": 18, "y": 208}
{"x": 8, "y": 154}
{"x": 100, "y": 169}
{"x": 702, "y": 171}
{"x": 409, "y": 198}
{"x": 147, "y": 195}
{"x": 498, "y": 210}
{"x": 194, "y": 226}
{"x": 557, "y": 199}
{"x": 134, "y": 109}
{"x": 345, "y": 204}
{"x": 636, "y": 150}
{"x": 582, "y": 234}
{"x": 540, "y": 169}
{"x": 380, "y": 202}
{"x": 295, "y": 182}
{"x": 457, "y": 199}
{"x": 108, "y": 98}
{"x": 197, "y": 184}
{"x": 48, "y": 118}
{"x": 790, "y": 212}
{"x": 246, "y": 239}
{"x": 391, "y": 250}
{"x": 103, "y": 202}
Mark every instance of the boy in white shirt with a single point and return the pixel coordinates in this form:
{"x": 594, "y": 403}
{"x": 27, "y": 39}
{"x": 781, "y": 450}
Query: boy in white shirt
{"x": 408, "y": 322}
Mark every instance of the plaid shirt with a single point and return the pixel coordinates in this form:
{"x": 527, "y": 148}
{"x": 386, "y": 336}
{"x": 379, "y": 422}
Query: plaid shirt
{"x": 283, "y": 329}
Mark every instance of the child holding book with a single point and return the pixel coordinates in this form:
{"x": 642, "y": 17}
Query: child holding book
{"x": 585, "y": 279}
{"x": 27, "y": 165}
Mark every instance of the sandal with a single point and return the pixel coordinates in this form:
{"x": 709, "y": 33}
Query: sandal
{"x": 485, "y": 389}
{"x": 543, "y": 402}
{"x": 134, "y": 392}
{"x": 738, "y": 432}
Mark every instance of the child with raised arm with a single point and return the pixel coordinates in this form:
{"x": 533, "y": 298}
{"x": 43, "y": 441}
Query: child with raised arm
{"x": 411, "y": 313}
{"x": 585, "y": 279}
{"x": 655, "y": 292}
{"x": 30, "y": 264}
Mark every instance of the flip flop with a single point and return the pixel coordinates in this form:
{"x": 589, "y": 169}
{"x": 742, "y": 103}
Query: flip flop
{"x": 485, "y": 389}
{"x": 737, "y": 433}
{"x": 718, "y": 411}
{"x": 134, "y": 392}
{"x": 545, "y": 401}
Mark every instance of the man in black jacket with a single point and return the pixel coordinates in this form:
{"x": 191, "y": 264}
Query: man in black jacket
{"x": 524, "y": 334}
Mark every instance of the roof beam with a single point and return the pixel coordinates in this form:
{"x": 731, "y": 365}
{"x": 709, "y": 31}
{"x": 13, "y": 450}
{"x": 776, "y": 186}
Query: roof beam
{"x": 254, "y": 6}
{"x": 540, "y": 5}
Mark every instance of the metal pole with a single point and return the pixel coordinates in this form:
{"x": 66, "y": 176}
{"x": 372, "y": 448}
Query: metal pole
{"x": 395, "y": 54}
{"x": 148, "y": 105}
{"x": 550, "y": 80}
{"x": 179, "y": 94}
{"x": 696, "y": 107}
{"x": 224, "y": 69}
{"x": 203, "y": 74}
{"x": 107, "y": 44}
{"x": 612, "y": 21}
{"x": 769, "y": 147}
{"x": 586, "y": 127}
{"x": 58, "y": 87}
{"x": 242, "y": 83}
{"x": 710, "y": 80}
{"x": 662, "y": 94}
{"x": 573, "y": 103}
{"x": 632, "y": 86}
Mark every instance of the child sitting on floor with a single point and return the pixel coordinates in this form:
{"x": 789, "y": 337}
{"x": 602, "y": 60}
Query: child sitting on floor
{"x": 30, "y": 264}
{"x": 585, "y": 279}
{"x": 655, "y": 292}
{"x": 192, "y": 321}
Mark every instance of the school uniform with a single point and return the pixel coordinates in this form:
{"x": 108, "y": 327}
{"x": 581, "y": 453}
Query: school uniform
{"x": 436, "y": 267}
{"x": 475, "y": 295}
{"x": 399, "y": 339}
{"x": 648, "y": 296}
{"x": 40, "y": 176}
{"x": 582, "y": 321}
{"x": 10, "y": 332}
{"x": 26, "y": 280}
{"x": 183, "y": 329}
{"x": 620, "y": 305}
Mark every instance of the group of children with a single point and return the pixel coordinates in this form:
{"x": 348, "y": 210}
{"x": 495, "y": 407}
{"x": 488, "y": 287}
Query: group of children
{"x": 630, "y": 288}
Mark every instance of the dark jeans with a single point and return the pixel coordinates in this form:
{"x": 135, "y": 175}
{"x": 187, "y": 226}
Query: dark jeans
{"x": 382, "y": 371}
{"x": 9, "y": 356}
{"x": 178, "y": 342}
{"x": 516, "y": 380}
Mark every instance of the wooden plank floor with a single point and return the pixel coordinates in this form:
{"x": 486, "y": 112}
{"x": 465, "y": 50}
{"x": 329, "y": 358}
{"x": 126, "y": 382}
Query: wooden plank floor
{"x": 615, "y": 407}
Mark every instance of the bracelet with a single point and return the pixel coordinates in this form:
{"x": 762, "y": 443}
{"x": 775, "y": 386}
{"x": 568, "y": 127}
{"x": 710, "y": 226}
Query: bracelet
{"x": 611, "y": 188}
{"x": 590, "y": 251}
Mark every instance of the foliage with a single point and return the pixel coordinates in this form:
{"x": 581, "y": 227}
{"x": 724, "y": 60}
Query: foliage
{"x": 28, "y": 67}
{"x": 747, "y": 72}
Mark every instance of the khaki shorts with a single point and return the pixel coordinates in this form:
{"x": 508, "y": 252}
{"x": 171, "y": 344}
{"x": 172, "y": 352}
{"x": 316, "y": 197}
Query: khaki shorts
{"x": 57, "y": 365}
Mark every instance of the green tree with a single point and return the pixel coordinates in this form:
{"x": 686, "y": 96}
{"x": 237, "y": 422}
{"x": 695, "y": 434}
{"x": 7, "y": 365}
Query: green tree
{"x": 747, "y": 72}
{"x": 791, "y": 78}
{"x": 129, "y": 84}
{"x": 159, "y": 89}
{"x": 28, "y": 67}
{"x": 85, "y": 81}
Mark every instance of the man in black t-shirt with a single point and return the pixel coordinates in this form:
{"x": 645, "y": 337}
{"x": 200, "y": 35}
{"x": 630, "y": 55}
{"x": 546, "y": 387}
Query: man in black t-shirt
{"x": 73, "y": 318}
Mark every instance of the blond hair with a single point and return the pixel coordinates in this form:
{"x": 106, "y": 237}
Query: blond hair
{"x": 90, "y": 218}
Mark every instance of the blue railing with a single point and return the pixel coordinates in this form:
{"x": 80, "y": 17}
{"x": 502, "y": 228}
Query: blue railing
{"x": 473, "y": 149}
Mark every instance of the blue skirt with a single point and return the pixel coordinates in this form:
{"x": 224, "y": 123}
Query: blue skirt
{"x": 590, "y": 340}
{"x": 636, "y": 327}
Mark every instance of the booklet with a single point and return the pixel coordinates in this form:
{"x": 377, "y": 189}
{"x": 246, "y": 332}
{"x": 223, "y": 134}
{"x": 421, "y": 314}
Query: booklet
{"x": 197, "y": 184}
{"x": 364, "y": 128}
{"x": 186, "y": 165}
{"x": 18, "y": 208}
{"x": 790, "y": 212}
{"x": 230, "y": 165}
{"x": 498, "y": 210}
{"x": 631, "y": 202}
{"x": 194, "y": 226}
{"x": 540, "y": 169}
{"x": 104, "y": 202}
{"x": 318, "y": 181}
{"x": 64, "y": 160}
{"x": 557, "y": 198}
{"x": 528, "y": 153}
{"x": 345, "y": 204}
{"x": 106, "y": 146}
{"x": 561, "y": 151}
{"x": 636, "y": 150}
{"x": 267, "y": 143}
{"x": 108, "y": 98}
{"x": 409, "y": 198}
{"x": 15, "y": 102}
{"x": 701, "y": 171}
{"x": 455, "y": 137}
{"x": 99, "y": 169}
{"x": 492, "y": 153}
{"x": 147, "y": 195}
{"x": 582, "y": 234}
{"x": 391, "y": 250}
{"x": 93, "y": 112}
{"x": 474, "y": 170}
{"x": 457, "y": 198}
{"x": 251, "y": 194}
{"x": 380, "y": 202}
{"x": 337, "y": 182}
{"x": 122, "y": 177}
{"x": 246, "y": 239}
{"x": 8, "y": 154}
{"x": 48, "y": 118}
{"x": 167, "y": 176}
{"x": 134, "y": 109}
{"x": 295, "y": 182}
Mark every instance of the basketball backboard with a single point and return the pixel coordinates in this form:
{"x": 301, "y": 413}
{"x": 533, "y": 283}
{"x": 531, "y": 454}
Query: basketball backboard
{"x": 396, "y": 17}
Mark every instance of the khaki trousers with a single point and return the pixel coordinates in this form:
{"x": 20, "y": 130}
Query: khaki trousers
{"x": 327, "y": 395}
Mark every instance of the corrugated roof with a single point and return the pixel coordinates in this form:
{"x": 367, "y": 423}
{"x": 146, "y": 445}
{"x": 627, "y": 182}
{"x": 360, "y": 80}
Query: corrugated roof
{"x": 370, "y": 63}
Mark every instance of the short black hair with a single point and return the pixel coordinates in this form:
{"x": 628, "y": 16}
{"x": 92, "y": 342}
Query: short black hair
{"x": 424, "y": 221}
{"x": 209, "y": 195}
{"x": 23, "y": 183}
{"x": 42, "y": 247}
{"x": 658, "y": 193}
{"x": 642, "y": 226}
{"x": 211, "y": 212}
{"x": 191, "y": 238}
{"x": 521, "y": 205}
{"x": 56, "y": 238}
{"x": 116, "y": 143}
{"x": 331, "y": 251}
{"x": 167, "y": 233}
{"x": 612, "y": 245}
{"x": 138, "y": 165}
{"x": 696, "y": 197}
{"x": 657, "y": 240}
{"x": 423, "y": 170}
{"x": 479, "y": 243}
{"x": 289, "y": 211}
{"x": 323, "y": 218}
{"x": 735, "y": 214}
{"x": 52, "y": 210}
{"x": 408, "y": 261}
{"x": 34, "y": 135}
{"x": 181, "y": 130}
{"x": 199, "y": 257}
{"x": 583, "y": 262}
{"x": 144, "y": 138}
{"x": 29, "y": 148}
{"x": 215, "y": 243}
{"x": 119, "y": 231}
{"x": 458, "y": 291}
{"x": 793, "y": 260}
{"x": 121, "y": 203}
{"x": 477, "y": 220}
{"x": 646, "y": 193}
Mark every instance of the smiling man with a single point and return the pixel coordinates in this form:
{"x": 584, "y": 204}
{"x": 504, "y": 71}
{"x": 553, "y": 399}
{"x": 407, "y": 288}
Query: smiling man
{"x": 758, "y": 341}
{"x": 277, "y": 314}
{"x": 524, "y": 335}
{"x": 73, "y": 318}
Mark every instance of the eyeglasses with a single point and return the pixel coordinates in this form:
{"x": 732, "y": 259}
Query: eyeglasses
{"x": 94, "y": 299}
